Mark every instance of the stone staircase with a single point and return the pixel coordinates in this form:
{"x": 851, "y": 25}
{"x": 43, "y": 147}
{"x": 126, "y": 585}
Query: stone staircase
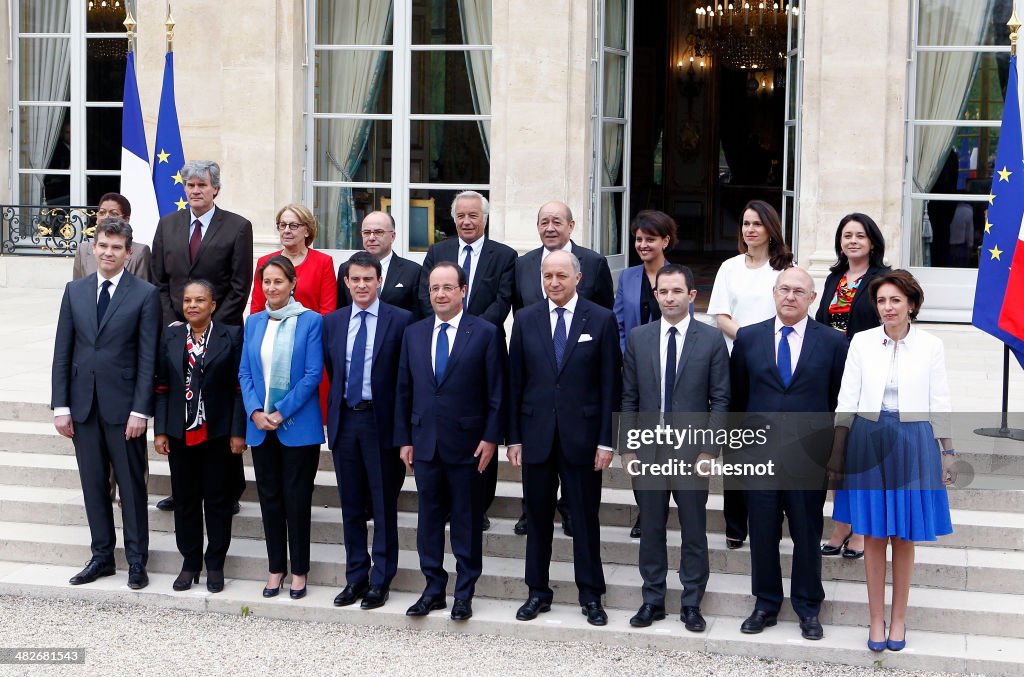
{"x": 967, "y": 603}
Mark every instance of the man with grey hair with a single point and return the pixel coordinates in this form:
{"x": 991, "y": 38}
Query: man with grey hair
{"x": 203, "y": 241}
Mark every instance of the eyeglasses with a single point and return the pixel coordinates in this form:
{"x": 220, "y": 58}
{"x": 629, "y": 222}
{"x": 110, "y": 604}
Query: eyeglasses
{"x": 281, "y": 227}
{"x": 446, "y": 288}
{"x": 376, "y": 233}
{"x": 798, "y": 292}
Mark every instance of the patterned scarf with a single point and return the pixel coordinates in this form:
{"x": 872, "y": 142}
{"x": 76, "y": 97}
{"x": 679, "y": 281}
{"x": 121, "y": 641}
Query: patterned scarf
{"x": 195, "y": 411}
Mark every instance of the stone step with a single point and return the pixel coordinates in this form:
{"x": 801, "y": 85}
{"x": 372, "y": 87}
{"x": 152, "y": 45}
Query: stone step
{"x": 951, "y": 611}
{"x": 938, "y": 566}
{"x": 990, "y": 528}
{"x": 952, "y": 652}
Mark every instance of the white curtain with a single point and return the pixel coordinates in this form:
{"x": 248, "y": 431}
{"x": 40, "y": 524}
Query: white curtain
{"x": 943, "y": 84}
{"x": 45, "y": 76}
{"x": 475, "y": 16}
{"x": 612, "y": 134}
{"x": 349, "y": 84}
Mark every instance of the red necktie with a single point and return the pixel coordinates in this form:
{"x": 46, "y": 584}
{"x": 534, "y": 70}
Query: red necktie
{"x": 195, "y": 240}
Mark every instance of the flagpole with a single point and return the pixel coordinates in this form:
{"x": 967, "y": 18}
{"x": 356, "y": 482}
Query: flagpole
{"x": 129, "y": 26}
{"x": 170, "y": 28}
{"x": 1004, "y": 430}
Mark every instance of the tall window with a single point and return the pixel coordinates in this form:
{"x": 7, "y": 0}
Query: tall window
{"x": 960, "y": 60}
{"x": 400, "y": 94}
{"x": 68, "y": 82}
{"x": 794, "y": 104}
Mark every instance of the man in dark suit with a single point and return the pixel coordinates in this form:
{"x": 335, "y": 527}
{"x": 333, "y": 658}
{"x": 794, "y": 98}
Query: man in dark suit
{"x": 205, "y": 242}
{"x": 789, "y": 363}
{"x": 104, "y": 358}
{"x": 362, "y": 343}
{"x": 401, "y": 276}
{"x": 448, "y": 422}
{"x": 554, "y": 226}
{"x": 564, "y": 385}
{"x": 675, "y": 365}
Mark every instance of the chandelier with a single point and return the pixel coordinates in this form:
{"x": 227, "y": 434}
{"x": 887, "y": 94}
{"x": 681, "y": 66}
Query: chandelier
{"x": 747, "y": 37}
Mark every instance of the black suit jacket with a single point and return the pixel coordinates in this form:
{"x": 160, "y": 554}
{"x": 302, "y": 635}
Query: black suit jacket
{"x": 225, "y": 259}
{"x": 493, "y": 286}
{"x": 112, "y": 361}
{"x": 399, "y": 288}
{"x": 862, "y": 310}
{"x": 387, "y": 346}
{"x": 595, "y": 286}
{"x": 578, "y": 398}
{"x": 222, "y": 398}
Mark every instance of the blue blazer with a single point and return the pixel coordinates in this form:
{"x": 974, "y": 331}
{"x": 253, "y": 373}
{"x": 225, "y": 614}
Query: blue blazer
{"x": 627, "y": 303}
{"x": 303, "y": 424}
{"x": 449, "y": 419}
{"x": 578, "y": 398}
{"x": 387, "y": 346}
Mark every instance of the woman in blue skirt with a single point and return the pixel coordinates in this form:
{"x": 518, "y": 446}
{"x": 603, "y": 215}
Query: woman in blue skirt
{"x": 893, "y": 422}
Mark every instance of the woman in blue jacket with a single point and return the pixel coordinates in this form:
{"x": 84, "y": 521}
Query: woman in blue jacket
{"x": 282, "y": 362}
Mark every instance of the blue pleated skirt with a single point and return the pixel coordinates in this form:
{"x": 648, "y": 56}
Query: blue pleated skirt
{"x": 893, "y": 483}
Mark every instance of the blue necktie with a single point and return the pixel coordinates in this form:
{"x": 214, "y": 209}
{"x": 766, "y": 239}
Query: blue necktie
{"x": 670, "y": 368}
{"x": 560, "y": 338}
{"x": 354, "y": 392}
{"x": 785, "y": 358}
{"x": 467, "y": 266}
{"x": 441, "y": 352}
{"x": 103, "y": 302}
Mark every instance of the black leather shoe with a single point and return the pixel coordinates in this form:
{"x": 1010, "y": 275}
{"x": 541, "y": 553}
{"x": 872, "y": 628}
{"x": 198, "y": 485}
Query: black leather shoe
{"x": 486, "y": 524}
{"x": 297, "y": 594}
{"x": 758, "y": 621}
{"x": 272, "y": 592}
{"x": 351, "y": 594}
{"x": 635, "y": 531}
{"x": 520, "y": 527}
{"x": 376, "y": 595}
{"x": 236, "y": 508}
{"x": 531, "y": 608}
{"x": 137, "y": 578}
{"x": 834, "y": 550}
{"x": 462, "y": 610}
{"x": 810, "y": 628}
{"x": 425, "y": 604}
{"x": 733, "y": 543}
{"x": 647, "y": 614}
{"x": 214, "y": 581}
{"x": 94, "y": 569}
{"x": 567, "y": 526}
{"x": 185, "y": 580}
{"x": 166, "y": 504}
{"x": 850, "y": 553}
{"x": 595, "y": 613}
{"x": 692, "y": 620}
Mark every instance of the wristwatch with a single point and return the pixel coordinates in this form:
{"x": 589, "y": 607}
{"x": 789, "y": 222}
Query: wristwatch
{"x": 949, "y": 452}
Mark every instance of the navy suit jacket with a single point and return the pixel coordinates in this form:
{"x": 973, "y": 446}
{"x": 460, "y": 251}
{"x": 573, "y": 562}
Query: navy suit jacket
{"x": 493, "y": 284}
{"x": 114, "y": 360}
{"x": 449, "y": 419}
{"x": 577, "y": 398}
{"x": 387, "y": 346}
{"x": 595, "y": 286}
{"x": 399, "y": 287}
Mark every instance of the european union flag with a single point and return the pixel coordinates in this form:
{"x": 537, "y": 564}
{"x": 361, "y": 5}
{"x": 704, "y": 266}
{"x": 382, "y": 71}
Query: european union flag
{"x": 169, "y": 156}
{"x": 1003, "y": 224}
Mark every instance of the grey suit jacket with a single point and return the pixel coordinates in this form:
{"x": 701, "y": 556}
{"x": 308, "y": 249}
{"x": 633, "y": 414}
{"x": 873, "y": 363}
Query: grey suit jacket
{"x": 112, "y": 361}
{"x": 138, "y": 262}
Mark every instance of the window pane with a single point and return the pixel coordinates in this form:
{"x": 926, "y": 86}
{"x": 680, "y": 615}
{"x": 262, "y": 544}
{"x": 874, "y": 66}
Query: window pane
{"x": 954, "y": 22}
{"x": 791, "y": 158}
{"x": 615, "y": 24}
{"x": 439, "y": 203}
{"x": 449, "y": 152}
{"x": 44, "y": 135}
{"x": 960, "y": 85}
{"x": 451, "y": 83}
{"x": 352, "y": 150}
{"x": 611, "y": 224}
{"x": 451, "y": 22}
{"x": 103, "y": 138}
{"x": 105, "y": 16}
{"x": 614, "y": 85}
{"x": 105, "y": 69}
{"x": 339, "y": 212}
{"x": 97, "y": 186}
{"x": 353, "y": 82}
{"x": 43, "y": 69}
{"x": 946, "y": 234}
{"x": 791, "y": 86}
{"x": 611, "y": 174}
{"x": 44, "y": 17}
{"x": 354, "y": 22}
{"x": 954, "y": 159}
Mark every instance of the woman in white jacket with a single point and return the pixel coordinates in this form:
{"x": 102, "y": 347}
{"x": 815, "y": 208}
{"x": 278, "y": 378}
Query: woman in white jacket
{"x": 893, "y": 421}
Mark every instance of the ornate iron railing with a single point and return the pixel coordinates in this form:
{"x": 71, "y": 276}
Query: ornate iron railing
{"x": 44, "y": 230}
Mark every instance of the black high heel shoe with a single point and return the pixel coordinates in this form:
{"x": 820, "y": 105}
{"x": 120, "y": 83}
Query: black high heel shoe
{"x": 185, "y": 580}
{"x": 834, "y": 550}
{"x": 215, "y": 581}
{"x": 272, "y": 592}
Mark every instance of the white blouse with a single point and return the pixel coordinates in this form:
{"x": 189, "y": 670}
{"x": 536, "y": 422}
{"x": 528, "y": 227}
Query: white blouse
{"x": 744, "y": 294}
{"x": 267, "y": 355}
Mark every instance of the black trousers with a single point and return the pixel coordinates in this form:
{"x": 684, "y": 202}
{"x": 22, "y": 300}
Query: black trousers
{"x": 203, "y": 481}
{"x": 734, "y": 507}
{"x": 694, "y": 564}
{"x": 98, "y": 447}
{"x": 284, "y": 481}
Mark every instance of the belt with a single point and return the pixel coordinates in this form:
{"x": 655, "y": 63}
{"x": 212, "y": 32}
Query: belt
{"x": 363, "y": 405}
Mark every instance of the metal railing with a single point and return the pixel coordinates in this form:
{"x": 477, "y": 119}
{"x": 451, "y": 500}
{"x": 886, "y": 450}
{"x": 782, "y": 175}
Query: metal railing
{"x": 44, "y": 230}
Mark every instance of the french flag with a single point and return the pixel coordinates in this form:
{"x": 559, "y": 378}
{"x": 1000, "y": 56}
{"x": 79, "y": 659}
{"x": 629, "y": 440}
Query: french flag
{"x": 136, "y": 176}
{"x": 1011, "y": 317}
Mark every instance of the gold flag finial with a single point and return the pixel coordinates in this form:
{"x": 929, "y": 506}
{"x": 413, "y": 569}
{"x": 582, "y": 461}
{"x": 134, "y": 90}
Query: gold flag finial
{"x": 1014, "y": 25}
{"x": 129, "y": 26}
{"x": 170, "y": 29}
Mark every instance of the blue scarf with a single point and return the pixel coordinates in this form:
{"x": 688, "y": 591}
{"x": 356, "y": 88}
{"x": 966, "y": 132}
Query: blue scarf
{"x": 280, "y": 377}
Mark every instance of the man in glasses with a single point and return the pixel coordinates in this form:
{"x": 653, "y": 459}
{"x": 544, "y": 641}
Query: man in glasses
{"x": 400, "y": 275}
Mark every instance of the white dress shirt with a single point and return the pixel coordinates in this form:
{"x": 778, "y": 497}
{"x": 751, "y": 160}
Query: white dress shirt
{"x": 796, "y": 341}
{"x": 372, "y": 313}
{"x": 453, "y": 329}
{"x": 570, "y": 310}
{"x": 476, "y": 249}
{"x": 204, "y": 222}
{"x": 682, "y": 326}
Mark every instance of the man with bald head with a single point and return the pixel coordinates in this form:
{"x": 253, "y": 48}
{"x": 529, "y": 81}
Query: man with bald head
{"x": 789, "y": 363}
{"x": 401, "y": 276}
{"x": 564, "y": 384}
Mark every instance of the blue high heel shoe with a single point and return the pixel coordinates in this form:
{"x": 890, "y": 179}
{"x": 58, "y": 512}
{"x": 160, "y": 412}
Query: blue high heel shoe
{"x": 877, "y": 646}
{"x": 896, "y": 645}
